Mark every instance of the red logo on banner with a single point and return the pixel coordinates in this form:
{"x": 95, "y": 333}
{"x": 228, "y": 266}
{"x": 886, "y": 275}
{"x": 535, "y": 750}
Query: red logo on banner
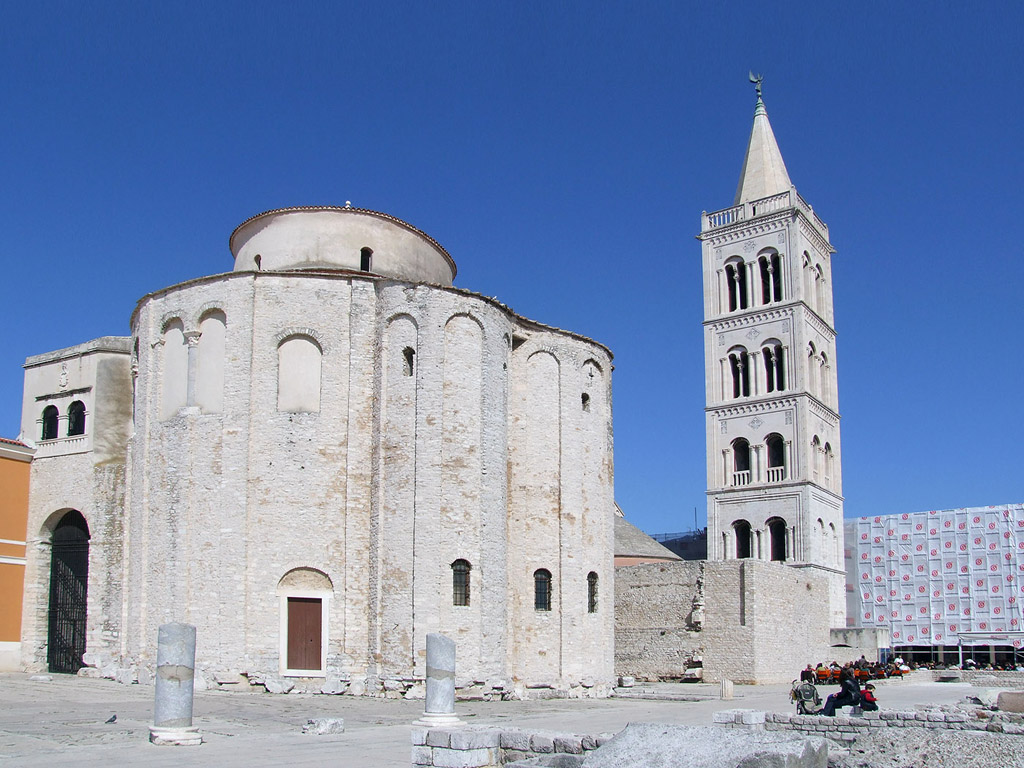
{"x": 963, "y": 547}
{"x": 867, "y": 615}
{"x": 878, "y": 558}
{"x": 951, "y": 585}
{"x": 890, "y": 532}
{"x": 906, "y": 577}
{"x": 978, "y": 561}
{"x": 867, "y": 595}
{"x": 879, "y": 599}
{"x": 920, "y": 547}
{"x": 983, "y": 625}
{"x": 896, "y": 635}
{"x": 995, "y": 590}
{"x": 892, "y": 573}
{"x": 878, "y": 539}
{"x": 878, "y": 579}
{"x": 919, "y": 527}
{"x": 904, "y": 558}
{"x": 981, "y": 603}
{"x": 935, "y": 572}
{"x": 997, "y": 610}
{"x": 906, "y": 597}
{"x": 904, "y": 517}
{"x": 952, "y": 607}
{"x": 963, "y": 569}
{"x": 991, "y": 526}
{"x": 962, "y": 526}
{"x": 924, "y": 609}
{"x": 936, "y": 593}
{"x": 938, "y": 636}
{"x": 977, "y": 539}
{"x": 949, "y": 565}
{"x": 905, "y": 537}
{"x": 946, "y": 524}
{"x": 908, "y": 617}
{"x": 892, "y": 593}
{"x": 895, "y": 614}
{"x": 992, "y": 545}
{"x": 934, "y": 552}
{"x": 921, "y": 589}
{"x": 948, "y": 545}
{"x": 910, "y": 638}
{"x": 952, "y": 627}
{"x": 979, "y": 583}
{"x": 863, "y": 537}
{"x": 967, "y": 611}
{"x": 1006, "y": 534}
{"x": 965, "y": 590}
{"x": 878, "y": 519}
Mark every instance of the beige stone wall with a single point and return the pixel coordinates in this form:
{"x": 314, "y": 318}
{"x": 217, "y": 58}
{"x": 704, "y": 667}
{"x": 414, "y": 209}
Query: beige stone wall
{"x": 448, "y": 429}
{"x": 656, "y": 632}
{"x": 761, "y": 623}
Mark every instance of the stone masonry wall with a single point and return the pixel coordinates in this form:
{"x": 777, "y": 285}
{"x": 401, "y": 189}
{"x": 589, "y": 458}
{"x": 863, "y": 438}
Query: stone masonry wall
{"x": 750, "y": 621}
{"x": 484, "y": 747}
{"x": 657, "y": 619}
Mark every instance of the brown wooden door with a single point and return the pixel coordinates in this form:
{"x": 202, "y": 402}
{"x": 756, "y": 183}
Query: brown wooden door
{"x": 304, "y": 632}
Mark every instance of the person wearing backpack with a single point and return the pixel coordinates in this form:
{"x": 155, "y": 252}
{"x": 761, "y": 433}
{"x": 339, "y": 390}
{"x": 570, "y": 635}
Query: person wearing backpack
{"x": 849, "y": 692}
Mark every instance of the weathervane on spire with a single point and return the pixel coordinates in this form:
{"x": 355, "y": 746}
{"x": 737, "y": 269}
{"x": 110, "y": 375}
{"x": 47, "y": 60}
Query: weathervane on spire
{"x": 756, "y": 80}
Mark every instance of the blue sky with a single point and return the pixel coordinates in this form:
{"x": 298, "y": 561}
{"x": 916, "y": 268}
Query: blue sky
{"x": 563, "y": 154}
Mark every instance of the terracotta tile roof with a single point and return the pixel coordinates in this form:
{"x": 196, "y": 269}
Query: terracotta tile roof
{"x": 12, "y": 442}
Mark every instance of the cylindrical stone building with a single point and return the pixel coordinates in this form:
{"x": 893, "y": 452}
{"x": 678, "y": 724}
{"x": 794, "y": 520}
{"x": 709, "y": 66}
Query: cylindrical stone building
{"x": 335, "y": 452}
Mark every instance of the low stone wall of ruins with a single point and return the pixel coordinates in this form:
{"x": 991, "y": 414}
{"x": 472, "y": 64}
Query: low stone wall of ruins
{"x": 749, "y": 621}
{"x": 843, "y": 728}
{"x": 480, "y": 746}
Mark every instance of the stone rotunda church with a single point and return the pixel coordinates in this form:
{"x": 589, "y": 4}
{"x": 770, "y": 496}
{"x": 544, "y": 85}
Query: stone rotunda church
{"x": 317, "y": 459}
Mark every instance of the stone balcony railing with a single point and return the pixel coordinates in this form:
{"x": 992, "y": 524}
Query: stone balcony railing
{"x": 61, "y": 446}
{"x": 762, "y": 207}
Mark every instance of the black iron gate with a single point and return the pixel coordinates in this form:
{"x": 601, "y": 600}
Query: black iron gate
{"x": 69, "y": 576}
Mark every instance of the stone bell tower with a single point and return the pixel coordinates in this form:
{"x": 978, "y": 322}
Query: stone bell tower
{"x": 773, "y": 450}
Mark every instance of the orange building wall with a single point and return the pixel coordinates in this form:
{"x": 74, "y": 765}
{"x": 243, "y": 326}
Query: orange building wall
{"x": 13, "y": 520}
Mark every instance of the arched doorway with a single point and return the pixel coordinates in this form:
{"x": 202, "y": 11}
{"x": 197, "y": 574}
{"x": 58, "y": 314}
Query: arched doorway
{"x": 69, "y": 576}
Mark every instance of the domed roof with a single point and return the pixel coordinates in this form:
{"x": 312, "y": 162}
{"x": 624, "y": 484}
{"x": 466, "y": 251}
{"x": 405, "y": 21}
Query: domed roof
{"x": 340, "y": 238}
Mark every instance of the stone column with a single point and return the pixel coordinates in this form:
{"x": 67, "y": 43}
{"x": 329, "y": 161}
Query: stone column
{"x": 750, "y": 285}
{"x": 192, "y": 338}
{"x": 175, "y": 674}
{"x": 440, "y": 700}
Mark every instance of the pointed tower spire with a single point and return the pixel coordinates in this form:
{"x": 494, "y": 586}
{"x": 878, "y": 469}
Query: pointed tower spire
{"x": 763, "y": 172}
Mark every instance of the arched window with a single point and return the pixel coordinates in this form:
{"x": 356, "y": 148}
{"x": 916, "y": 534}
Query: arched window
{"x": 741, "y": 530}
{"x": 299, "y": 360}
{"x": 740, "y": 462}
{"x": 736, "y": 275}
{"x": 828, "y": 464}
{"x": 365, "y": 259}
{"x": 460, "y": 582}
{"x": 777, "y": 533}
{"x": 815, "y": 457}
{"x": 542, "y": 590}
{"x": 819, "y": 289}
{"x": 76, "y": 418}
{"x": 209, "y": 386}
{"x": 774, "y": 367}
{"x": 174, "y": 393}
{"x": 812, "y": 368}
{"x": 740, "y": 371}
{"x": 592, "y": 592}
{"x": 776, "y": 458}
{"x": 50, "y": 418}
{"x": 824, "y": 379}
{"x": 770, "y": 265}
{"x": 409, "y": 357}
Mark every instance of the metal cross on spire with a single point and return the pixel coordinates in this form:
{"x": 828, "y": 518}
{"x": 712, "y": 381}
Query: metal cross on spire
{"x": 756, "y": 80}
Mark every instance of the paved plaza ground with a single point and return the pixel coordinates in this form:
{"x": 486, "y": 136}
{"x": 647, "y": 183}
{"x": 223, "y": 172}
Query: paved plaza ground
{"x": 62, "y": 720}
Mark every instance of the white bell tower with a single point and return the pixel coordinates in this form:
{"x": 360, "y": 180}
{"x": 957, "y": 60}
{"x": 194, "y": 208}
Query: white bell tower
{"x": 773, "y": 450}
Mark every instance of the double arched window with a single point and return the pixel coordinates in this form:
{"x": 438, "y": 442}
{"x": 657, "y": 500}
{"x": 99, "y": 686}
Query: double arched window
{"x": 774, "y": 366}
{"x": 770, "y": 267}
{"x": 736, "y": 279}
{"x": 739, "y": 369}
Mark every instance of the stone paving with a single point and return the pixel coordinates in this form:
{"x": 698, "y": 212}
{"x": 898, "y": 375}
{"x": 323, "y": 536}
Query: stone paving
{"x": 63, "y": 719}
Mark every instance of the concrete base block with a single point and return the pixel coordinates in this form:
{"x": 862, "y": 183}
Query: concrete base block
{"x": 175, "y": 737}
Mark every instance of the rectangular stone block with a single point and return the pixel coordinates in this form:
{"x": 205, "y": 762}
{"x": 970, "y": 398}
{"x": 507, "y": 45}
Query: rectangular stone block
{"x": 725, "y": 716}
{"x": 517, "y": 740}
{"x": 419, "y": 736}
{"x": 751, "y": 717}
{"x": 542, "y": 744}
{"x": 571, "y": 745}
{"x": 465, "y": 758}
{"x": 465, "y": 739}
{"x": 422, "y": 755}
{"x": 437, "y": 737}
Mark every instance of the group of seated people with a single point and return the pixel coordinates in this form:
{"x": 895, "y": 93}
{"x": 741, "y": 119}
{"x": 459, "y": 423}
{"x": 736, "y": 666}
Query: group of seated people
{"x": 850, "y": 693}
{"x": 863, "y": 670}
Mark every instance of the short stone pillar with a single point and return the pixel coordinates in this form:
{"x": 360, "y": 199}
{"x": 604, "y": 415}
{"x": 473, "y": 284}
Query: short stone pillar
{"x": 175, "y": 674}
{"x": 440, "y": 703}
{"x": 726, "y": 694}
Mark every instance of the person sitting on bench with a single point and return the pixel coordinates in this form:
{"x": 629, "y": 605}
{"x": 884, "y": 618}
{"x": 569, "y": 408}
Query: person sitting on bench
{"x": 849, "y": 692}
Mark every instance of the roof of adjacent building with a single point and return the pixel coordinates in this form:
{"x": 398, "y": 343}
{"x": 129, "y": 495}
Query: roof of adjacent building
{"x": 764, "y": 173}
{"x": 630, "y": 541}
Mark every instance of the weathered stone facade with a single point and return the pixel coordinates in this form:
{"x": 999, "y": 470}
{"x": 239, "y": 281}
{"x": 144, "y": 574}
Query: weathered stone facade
{"x": 744, "y": 620}
{"x": 324, "y": 429}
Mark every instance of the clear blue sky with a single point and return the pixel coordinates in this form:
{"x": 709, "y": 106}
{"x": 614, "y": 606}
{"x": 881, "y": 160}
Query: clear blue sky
{"x": 563, "y": 154}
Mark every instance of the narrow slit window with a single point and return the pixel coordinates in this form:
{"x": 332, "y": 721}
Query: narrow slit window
{"x": 585, "y": 398}
{"x": 542, "y": 590}
{"x": 592, "y": 592}
{"x": 460, "y": 582}
{"x": 365, "y": 259}
{"x": 409, "y": 365}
